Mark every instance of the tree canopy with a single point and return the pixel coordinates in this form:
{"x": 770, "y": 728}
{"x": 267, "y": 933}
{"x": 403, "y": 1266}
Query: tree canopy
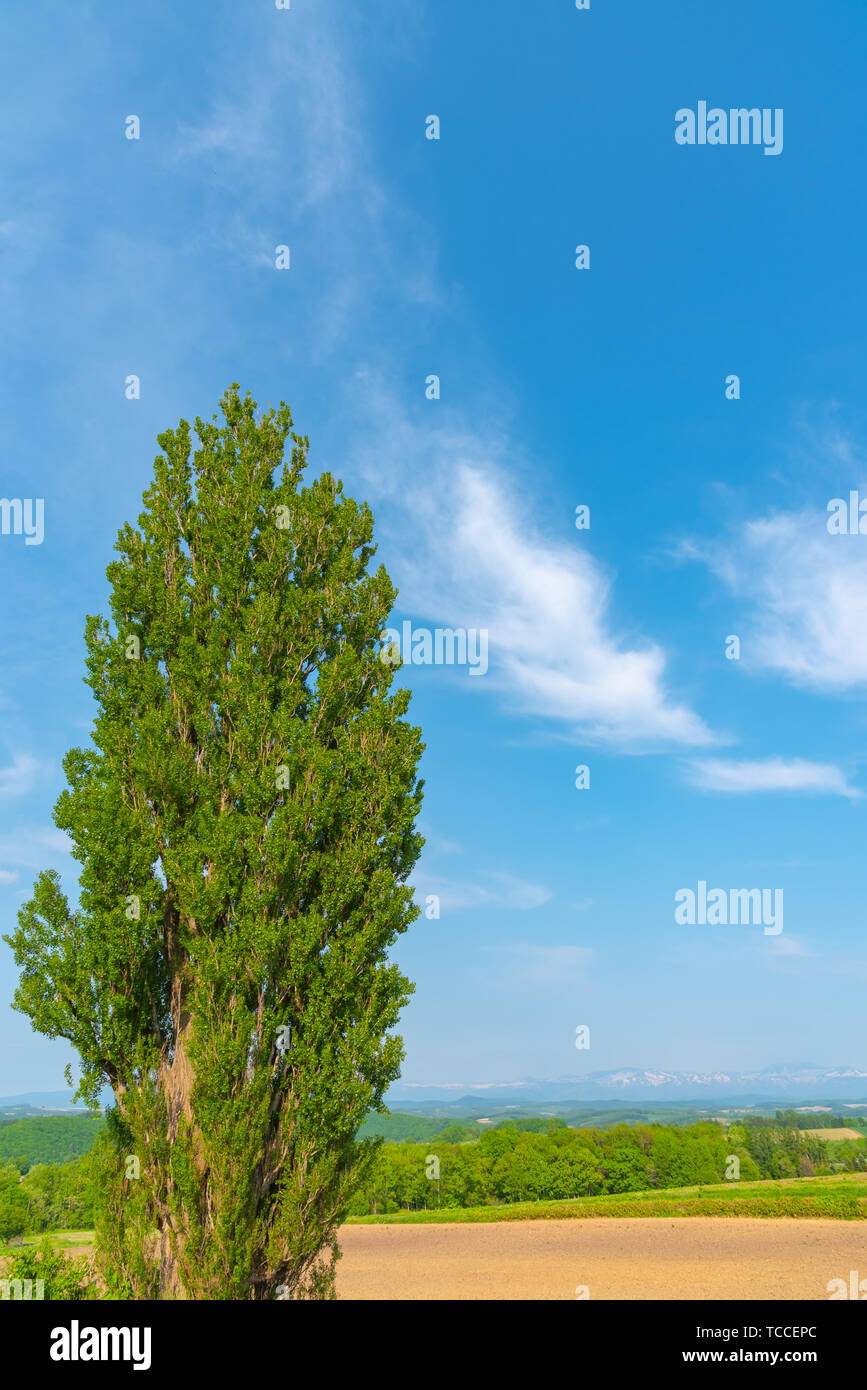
{"x": 244, "y": 826}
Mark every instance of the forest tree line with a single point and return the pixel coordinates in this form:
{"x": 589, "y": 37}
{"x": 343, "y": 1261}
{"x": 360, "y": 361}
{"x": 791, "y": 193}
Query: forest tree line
{"x": 524, "y": 1160}
{"x": 50, "y": 1197}
{"x": 47, "y": 1138}
{"x": 508, "y": 1164}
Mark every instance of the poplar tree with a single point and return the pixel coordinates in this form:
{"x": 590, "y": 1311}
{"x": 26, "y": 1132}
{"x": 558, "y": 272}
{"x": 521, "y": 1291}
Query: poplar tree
{"x": 244, "y": 823}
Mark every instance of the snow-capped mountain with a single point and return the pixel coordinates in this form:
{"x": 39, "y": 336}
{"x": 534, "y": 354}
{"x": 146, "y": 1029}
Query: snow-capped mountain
{"x": 785, "y": 1081}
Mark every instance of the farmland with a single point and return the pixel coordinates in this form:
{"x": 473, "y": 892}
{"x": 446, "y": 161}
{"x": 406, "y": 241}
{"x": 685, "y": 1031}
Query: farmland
{"x": 783, "y": 1239}
{"x": 695, "y": 1258}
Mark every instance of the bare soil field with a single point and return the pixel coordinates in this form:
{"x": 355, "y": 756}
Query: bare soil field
{"x": 640, "y": 1258}
{"x": 835, "y": 1133}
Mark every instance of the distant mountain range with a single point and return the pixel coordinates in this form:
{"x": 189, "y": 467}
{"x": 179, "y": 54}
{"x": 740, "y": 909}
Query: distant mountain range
{"x": 41, "y": 1102}
{"x": 797, "y": 1082}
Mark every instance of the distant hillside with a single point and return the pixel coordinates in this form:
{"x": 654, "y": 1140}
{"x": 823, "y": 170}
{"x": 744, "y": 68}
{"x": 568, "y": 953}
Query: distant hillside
{"x": 43, "y": 1103}
{"x": 47, "y": 1139}
{"x": 418, "y": 1129}
{"x": 400, "y": 1129}
{"x": 798, "y": 1083}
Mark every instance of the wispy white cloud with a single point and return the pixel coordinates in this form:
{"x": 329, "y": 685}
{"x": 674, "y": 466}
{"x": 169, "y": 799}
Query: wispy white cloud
{"x": 851, "y": 967}
{"x": 439, "y": 842}
{"x": 302, "y": 88}
{"x": 31, "y": 846}
{"x": 785, "y": 946}
{"x": 292, "y": 114}
{"x": 475, "y": 551}
{"x": 476, "y": 558}
{"x": 803, "y": 597}
{"x": 771, "y": 775}
{"x": 787, "y": 955}
{"x": 20, "y": 777}
{"x": 503, "y": 891}
{"x": 545, "y": 967}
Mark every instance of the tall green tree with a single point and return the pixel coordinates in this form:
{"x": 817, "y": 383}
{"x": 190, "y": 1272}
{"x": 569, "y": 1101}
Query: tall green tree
{"x": 244, "y": 822}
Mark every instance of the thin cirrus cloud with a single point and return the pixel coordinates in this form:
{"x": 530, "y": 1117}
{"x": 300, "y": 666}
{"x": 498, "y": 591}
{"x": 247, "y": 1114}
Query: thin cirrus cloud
{"x": 771, "y": 775}
{"x": 293, "y": 115}
{"x": 292, "y": 105}
{"x": 804, "y": 597}
{"x": 531, "y": 966}
{"x": 547, "y": 608}
{"x": 787, "y": 947}
{"x": 19, "y": 778}
{"x": 439, "y": 842}
{"x": 554, "y": 651}
{"x": 30, "y": 847}
{"x": 502, "y": 891}
{"x": 478, "y": 561}
{"x": 787, "y": 955}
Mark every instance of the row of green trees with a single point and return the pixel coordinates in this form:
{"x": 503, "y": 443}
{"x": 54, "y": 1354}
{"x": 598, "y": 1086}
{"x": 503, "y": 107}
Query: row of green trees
{"x": 507, "y": 1165}
{"x": 52, "y": 1197}
{"x": 797, "y": 1119}
{"x": 47, "y": 1139}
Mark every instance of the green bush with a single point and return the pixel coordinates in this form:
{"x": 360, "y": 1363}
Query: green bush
{"x": 63, "y": 1278}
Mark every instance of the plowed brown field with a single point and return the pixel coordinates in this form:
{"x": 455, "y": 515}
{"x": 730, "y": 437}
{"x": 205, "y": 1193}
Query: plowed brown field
{"x": 647, "y": 1257}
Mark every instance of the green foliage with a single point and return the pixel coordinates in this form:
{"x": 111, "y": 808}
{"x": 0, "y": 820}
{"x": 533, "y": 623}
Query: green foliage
{"x": 48, "y": 1139}
{"x": 802, "y": 1198}
{"x": 778, "y": 1148}
{"x": 749, "y": 1168}
{"x": 533, "y": 1124}
{"x": 62, "y": 1277}
{"x": 412, "y": 1129}
{"x": 458, "y": 1134}
{"x": 846, "y": 1155}
{"x": 402, "y": 1129}
{"x": 797, "y": 1119}
{"x": 244, "y": 822}
{"x": 512, "y": 1164}
{"x": 60, "y": 1197}
{"x": 13, "y": 1203}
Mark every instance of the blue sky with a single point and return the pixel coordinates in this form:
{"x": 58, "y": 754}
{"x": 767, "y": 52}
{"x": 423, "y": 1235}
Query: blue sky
{"x": 306, "y": 127}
